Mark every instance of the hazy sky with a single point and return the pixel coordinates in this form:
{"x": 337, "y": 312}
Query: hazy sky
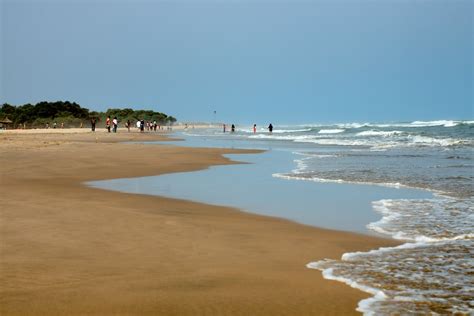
{"x": 251, "y": 61}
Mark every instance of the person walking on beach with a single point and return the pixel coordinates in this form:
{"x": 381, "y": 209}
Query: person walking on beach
{"x": 138, "y": 124}
{"x": 223, "y": 127}
{"x": 232, "y": 128}
{"x": 93, "y": 124}
{"x": 142, "y": 126}
{"x": 254, "y": 128}
{"x": 115, "y": 122}
{"x": 270, "y": 128}
{"x": 107, "y": 124}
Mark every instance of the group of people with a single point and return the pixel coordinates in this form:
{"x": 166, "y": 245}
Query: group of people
{"x": 148, "y": 125}
{"x": 232, "y": 128}
{"x": 108, "y": 124}
{"x": 112, "y": 125}
{"x": 55, "y": 125}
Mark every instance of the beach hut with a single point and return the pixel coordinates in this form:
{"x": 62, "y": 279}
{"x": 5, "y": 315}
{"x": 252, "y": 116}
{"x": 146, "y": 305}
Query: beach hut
{"x": 5, "y": 122}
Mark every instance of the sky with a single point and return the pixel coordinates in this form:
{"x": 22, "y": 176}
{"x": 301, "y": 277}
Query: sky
{"x": 250, "y": 61}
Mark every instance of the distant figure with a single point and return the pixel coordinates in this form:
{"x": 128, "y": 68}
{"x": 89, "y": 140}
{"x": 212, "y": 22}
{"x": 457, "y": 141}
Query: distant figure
{"x": 128, "y": 125}
{"x": 270, "y": 128}
{"x": 155, "y": 125}
{"x": 62, "y": 124}
{"x": 232, "y": 128}
{"x": 82, "y": 125}
{"x": 55, "y": 125}
{"x": 254, "y": 128}
{"x": 115, "y": 122}
{"x": 47, "y": 125}
{"x": 107, "y": 124}
{"x": 93, "y": 124}
{"x": 224, "y": 127}
{"x": 142, "y": 125}
{"x": 186, "y": 126}
{"x": 138, "y": 124}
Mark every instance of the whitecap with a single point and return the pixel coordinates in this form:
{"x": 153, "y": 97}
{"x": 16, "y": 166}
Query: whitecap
{"x": 379, "y": 133}
{"x": 331, "y": 131}
{"x": 445, "y": 123}
{"x": 430, "y": 141}
{"x": 284, "y": 131}
{"x": 352, "y": 125}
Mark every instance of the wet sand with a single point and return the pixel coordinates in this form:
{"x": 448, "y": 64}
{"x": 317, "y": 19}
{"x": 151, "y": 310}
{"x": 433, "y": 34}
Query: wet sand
{"x": 67, "y": 249}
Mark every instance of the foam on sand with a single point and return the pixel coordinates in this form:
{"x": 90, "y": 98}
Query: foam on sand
{"x": 424, "y": 276}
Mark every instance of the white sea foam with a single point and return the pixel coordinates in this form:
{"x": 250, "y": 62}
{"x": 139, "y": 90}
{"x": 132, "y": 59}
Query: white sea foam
{"x": 406, "y": 279}
{"x": 379, "y": 133}
{"x": 430, "y": 141}
{"x": 444, "y": 123}
{"x": 352, "y": 125}
{"x": 321, "y": 156}
{"x": 331, "y": 131}
{"x": 412, "y": 276}
{"x": 337, "y": 141}
{"x": 294, "y": 138}
{"x": 376, "y": 140}
{"x": 364, "y": 305}
{"x": 299, "y": 175}
{"x": 285, "y": 131}
{"x": 425, "y": 220}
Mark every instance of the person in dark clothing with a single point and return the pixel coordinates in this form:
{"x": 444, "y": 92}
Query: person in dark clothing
{"x": 270, "y": 128}
{"x": 232, "y": 128}
{"x": 93, "y": 124}
{"x": 142, "y": 125}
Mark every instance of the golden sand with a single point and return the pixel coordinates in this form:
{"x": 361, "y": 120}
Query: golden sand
{"x": 67, "y": 249}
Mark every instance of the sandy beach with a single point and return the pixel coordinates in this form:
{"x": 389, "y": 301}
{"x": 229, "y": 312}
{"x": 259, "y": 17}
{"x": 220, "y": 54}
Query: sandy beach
{"x": 67, "y": 249}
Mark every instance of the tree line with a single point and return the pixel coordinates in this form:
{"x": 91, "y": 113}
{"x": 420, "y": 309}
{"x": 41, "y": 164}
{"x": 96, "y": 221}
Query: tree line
{"x": 72, "y": 114}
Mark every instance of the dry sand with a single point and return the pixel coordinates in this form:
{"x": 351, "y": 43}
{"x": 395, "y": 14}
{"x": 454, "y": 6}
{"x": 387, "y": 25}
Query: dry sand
{"x": 67, "y": 249}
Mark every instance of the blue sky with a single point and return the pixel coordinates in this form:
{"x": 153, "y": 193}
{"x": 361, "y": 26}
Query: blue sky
{"x": 251, "y": 61}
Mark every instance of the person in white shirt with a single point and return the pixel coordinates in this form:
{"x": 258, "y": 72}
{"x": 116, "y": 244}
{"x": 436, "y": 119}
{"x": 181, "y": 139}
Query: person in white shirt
{"x": 115, "y": 123}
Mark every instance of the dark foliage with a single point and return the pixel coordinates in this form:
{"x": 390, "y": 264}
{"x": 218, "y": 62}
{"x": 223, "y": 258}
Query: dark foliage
{"x": 72, "y": 114}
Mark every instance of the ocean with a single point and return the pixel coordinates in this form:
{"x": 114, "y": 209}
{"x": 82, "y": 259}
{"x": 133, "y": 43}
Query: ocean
{"x": 432, "y": 272}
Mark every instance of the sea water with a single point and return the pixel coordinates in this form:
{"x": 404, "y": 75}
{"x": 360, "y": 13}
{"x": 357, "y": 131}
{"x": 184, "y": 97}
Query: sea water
{"x": 252, "y": 187}
{"x": 433, "y": 271}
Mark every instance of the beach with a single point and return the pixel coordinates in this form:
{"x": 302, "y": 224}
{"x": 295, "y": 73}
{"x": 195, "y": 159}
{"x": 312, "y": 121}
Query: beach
{"x": 69, "y": 249}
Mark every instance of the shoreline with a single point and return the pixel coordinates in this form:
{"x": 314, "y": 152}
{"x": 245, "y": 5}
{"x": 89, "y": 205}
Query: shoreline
{"x": 71, "y": 249}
